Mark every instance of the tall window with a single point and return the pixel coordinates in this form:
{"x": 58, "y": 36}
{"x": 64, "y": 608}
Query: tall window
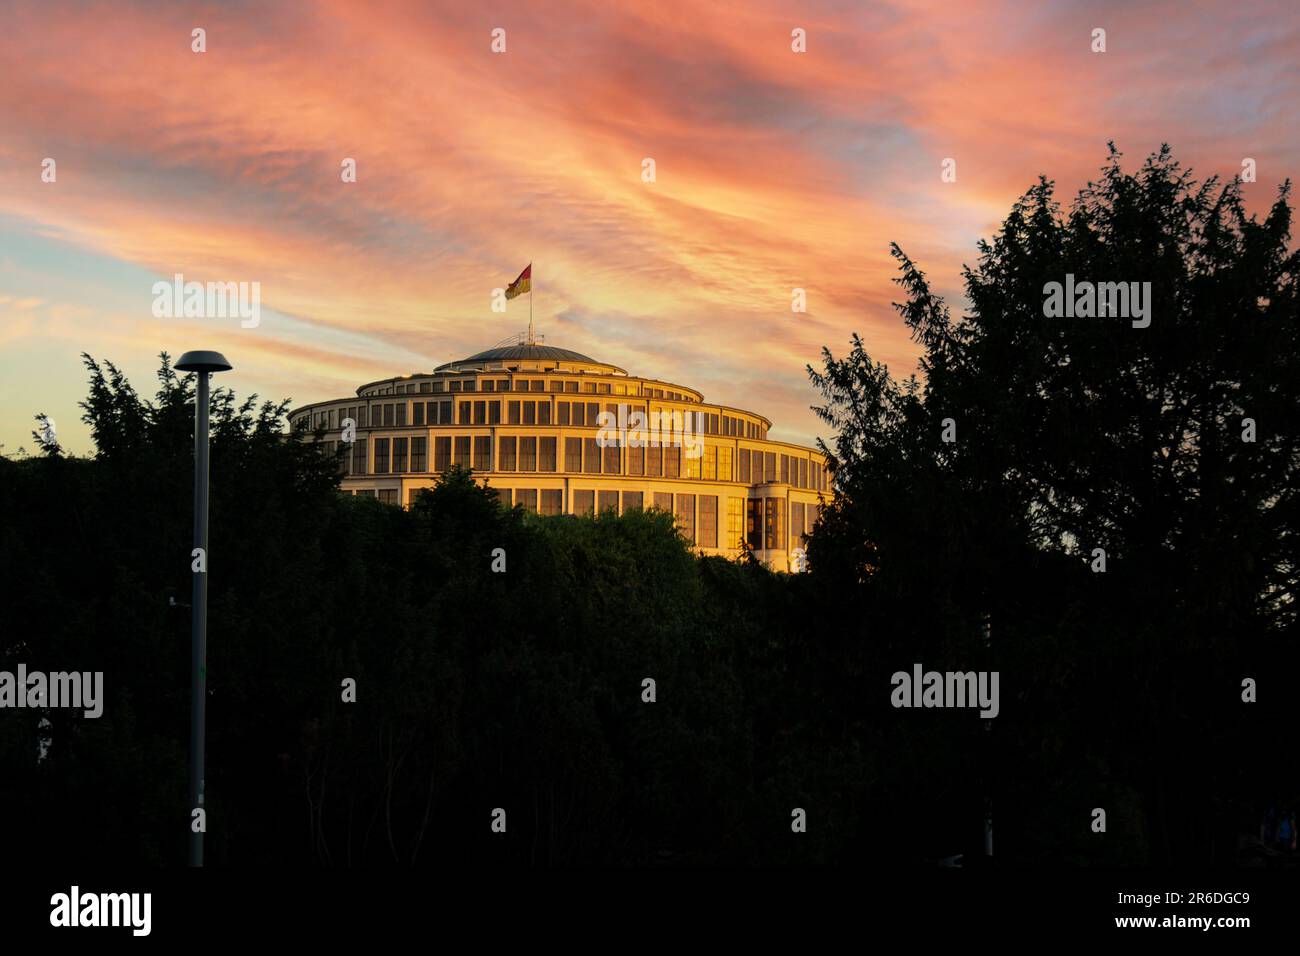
{"x": 494, "y": 413}
{"x": 528, "y": 454}
{"x": 710, "y": 462}
{"x": 796, "y": 521}
{"x": 444, "y": 413}
{"x": 724, "y": 463}
{"x": 399, "y": 455}
{"x": 419, "y": 453}
{"x": 460, "y": 455}
{"x": 579, "y": 413}
{"x": 611, "y": 466}
{"x": 744, "y": 465}
{"x": 673, "y": 461}
{"x": 593, "y": 413}
{"x": 546, "y": 454}
{"x": 359, "y": 457}
{"x": 526, "y": 497}
{"x": 482, "y": 452}
{"x": 506, "y": 454}
{"x": 400, "y": 420}
{"x": 708, "y": 521}
{"x": 376, "y": 415}
{"x": 654, "y": 461}
{"x": 552, "y": 502}
{"x": 754, "y": 523}
{"x": 632, "y": 501}
{"x": 636, "y": 460}
{"x": 608, "y": 501}
{"x": 769, "y": 466}
{"x": 591, "y": 456}
{"x": 785, "y": 469}
{"x": 573, "y": 455}
{"x": 388, "y": 414}
{"x": 417, "y": 413}
{"x": 584, "y": 502}
{"x": 464, "y": 413}
{"x": 381, "y": 456}
{"x": 691, "y": 463}
{"x": 685, "y": 515}
{"x": 504, "y": 497}
{"x": 480, "y": 413}
{"x": 664, "y": 501}
{"x": 441, "y": 454}
{"x": 774, "y": 523}
{"x": 543, "y": 413}
{"x": 530, "y": 413}
{"x": 562, "y": 413}
{"x": 512, "y": 413}
{"x": 735, "y": 522}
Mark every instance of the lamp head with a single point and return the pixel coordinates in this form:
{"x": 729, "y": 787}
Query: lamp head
{"x": 203, "y": 362}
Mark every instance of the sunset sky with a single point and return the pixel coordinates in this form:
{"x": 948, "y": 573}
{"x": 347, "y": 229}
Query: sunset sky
{"x": 774, "y": 170}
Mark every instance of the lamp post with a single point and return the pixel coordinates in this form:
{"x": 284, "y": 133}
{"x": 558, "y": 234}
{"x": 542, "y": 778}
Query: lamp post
{"x": 202, "y": 364}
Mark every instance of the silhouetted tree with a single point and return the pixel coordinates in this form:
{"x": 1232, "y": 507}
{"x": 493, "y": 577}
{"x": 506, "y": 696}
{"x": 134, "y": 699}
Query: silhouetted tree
{"x": 1122, "y": 689}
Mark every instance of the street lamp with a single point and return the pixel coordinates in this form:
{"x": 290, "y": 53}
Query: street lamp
{"x": 202, "y": 364}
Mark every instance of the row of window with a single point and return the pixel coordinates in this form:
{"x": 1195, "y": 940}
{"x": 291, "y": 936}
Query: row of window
{"x": 531, "y": 385}
{"x": 483, "y": 412}
{"x": 759, "y": 521}
{"x": 581, "y": 456}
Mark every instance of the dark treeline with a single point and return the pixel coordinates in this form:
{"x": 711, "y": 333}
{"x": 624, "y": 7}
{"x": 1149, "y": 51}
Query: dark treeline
{"x": 522, "y": 690}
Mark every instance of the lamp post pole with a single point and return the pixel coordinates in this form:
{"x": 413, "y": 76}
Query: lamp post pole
{"x": 202, "y": 364}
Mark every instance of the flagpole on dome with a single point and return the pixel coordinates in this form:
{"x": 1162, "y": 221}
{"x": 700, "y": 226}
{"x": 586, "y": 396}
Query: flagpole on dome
{"x": 530, "y": 302}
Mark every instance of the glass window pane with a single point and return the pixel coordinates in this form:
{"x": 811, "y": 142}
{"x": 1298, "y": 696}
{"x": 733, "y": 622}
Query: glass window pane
{"x": 685, "y": 515}
{"x": 505, "y": 454}
{"x": 708, "y": 531}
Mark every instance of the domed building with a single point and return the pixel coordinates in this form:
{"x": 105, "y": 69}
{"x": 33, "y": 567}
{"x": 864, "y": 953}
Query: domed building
{"x": 558, "y": 432}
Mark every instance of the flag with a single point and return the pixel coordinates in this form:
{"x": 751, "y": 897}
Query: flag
{"x": 521, "y": 285}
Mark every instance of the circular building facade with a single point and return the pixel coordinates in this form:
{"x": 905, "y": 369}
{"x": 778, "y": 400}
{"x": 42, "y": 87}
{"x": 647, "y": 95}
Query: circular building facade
{"x": 558, "y": 432}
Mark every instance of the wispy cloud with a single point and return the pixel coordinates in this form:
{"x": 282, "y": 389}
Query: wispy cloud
{"x": 775, "y": 170}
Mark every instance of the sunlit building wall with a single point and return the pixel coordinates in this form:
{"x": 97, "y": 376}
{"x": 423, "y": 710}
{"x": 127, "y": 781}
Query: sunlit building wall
{"x": 524, "y": 420}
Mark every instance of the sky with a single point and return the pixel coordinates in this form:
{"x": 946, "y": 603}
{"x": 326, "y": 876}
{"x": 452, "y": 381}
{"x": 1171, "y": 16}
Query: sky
{"x": 773, "y": 170}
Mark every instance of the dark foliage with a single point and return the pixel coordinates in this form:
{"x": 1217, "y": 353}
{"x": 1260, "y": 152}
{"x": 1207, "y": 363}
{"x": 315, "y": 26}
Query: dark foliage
{"x": 1121, "y": 690}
